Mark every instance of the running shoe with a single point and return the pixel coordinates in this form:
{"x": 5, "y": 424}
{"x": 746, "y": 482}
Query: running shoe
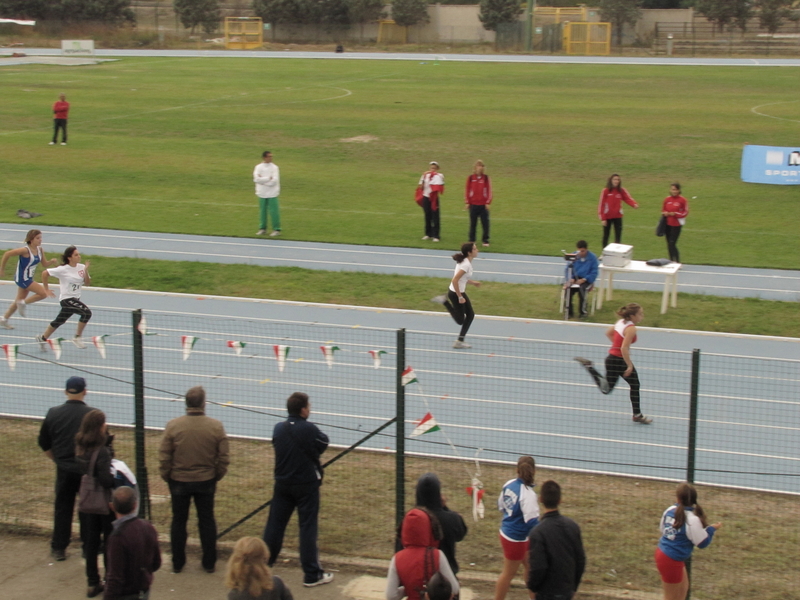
{"x": 78, "y": 341}
{"x": 275, "y": 233}
{"x": 439, "y": 299}
{"x": 42, "y": 343}
{"x": 426, "y": 237}
{"x": 584, "y": 362}
{"x": 435, "y": 239}
{"x": 21, "y": 308}
{"x": 486, "y": 244}
{"x": 323, "y": 579}
{"x": 5, "y": 324}
{"x": 261, "y": 232}
{"x": 461, "y": 345}
{"x": 640, "y": 418}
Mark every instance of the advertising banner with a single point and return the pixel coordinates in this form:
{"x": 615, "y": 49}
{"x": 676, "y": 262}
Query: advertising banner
{"x": 77, "y": 47}
{"x": 771, "y": 164}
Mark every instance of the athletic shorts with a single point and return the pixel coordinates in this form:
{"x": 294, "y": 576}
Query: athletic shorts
{"x": 514, "y": 550}
{"x": 671, "y": 570}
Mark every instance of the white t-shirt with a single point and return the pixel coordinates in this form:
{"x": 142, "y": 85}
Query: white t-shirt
{"x": 70, "y": 279}
{"x": 466, "y": 266}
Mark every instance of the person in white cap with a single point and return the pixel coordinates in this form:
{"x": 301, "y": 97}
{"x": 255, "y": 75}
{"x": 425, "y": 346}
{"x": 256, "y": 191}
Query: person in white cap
{"x": 432, "y": 185}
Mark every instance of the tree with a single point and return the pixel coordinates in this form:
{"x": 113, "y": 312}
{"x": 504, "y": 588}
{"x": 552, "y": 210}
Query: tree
{"x": 365, "y": 11}
{"x": 620, "y": 12}
{"x": 726, "y": 12}
{"x": 772, "y": 13}
{"x": 204, "y": 13}
{"x": 410, "y": 12}
{"x": 495, "y": 12}
{"x": 112, "y": 12}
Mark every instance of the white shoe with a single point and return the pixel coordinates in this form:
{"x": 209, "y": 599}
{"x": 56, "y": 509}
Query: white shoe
{"x": 461, "y": 345}
{"x": 21, "y": 308}
{"x": 435, "y": 239}
{"x": 439, "y": 299}
{"x": 63, "y": 143}
{"x": 425, "y": 237}
{"x": 324, "y": 578}
{"x": 78, "y": 341}
{"x": 5, "y": 324}
{"x": 52, "y": 144}
{"x": 261, "y": 232}
{"x": 275, "y": 233}
{"x": 42, "y": 343}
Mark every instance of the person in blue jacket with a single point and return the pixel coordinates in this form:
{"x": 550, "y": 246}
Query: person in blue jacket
{"x": 683, "y": 526}
{"x": 584, "y": 273}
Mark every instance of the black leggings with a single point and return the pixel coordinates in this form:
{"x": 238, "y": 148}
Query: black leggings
{"x": 617, "y": 223}
{"x": 672, "y": 234}
{"x": 62, "y": 125}
{"x": 615, "y": 367}
{"x": 69, "y": 307}
{"x": 461, "y": 313}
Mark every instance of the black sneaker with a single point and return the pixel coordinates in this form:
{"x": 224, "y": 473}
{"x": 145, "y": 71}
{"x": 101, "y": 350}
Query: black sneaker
{"x": 323, "y": 579}
{"x": 584, "y": 361}
{"x": 58, "y": 555}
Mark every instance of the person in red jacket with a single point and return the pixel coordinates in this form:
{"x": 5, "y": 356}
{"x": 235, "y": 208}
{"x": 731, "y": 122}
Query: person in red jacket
{"x": 675, "y": 208}
{"x": 478, "y": 198}
{"x": 61, "y": 113}
{"x": 609, "y": 209}
{"x": 431, "y": 184}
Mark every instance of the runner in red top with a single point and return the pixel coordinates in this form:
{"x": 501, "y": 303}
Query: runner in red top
{"x": 618, "y": 361}
{"x": 675, "y": 208}
{"x": 609, "y": 209}
{"x": 61, "y": 114}
{"x": 478, "y": 198}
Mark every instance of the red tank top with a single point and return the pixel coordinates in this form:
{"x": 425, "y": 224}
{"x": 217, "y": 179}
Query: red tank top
{"x": 619, "y": 336}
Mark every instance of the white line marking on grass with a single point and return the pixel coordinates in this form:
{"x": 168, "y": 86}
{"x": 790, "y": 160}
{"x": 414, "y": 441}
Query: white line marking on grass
{"x": 760, "y": 114}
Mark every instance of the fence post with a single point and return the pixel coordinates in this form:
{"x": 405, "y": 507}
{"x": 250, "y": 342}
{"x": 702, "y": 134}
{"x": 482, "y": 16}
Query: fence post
{"x": 400, "y": 409}
{"x": 139, "y": 434}
{"x": 692, "y": 444}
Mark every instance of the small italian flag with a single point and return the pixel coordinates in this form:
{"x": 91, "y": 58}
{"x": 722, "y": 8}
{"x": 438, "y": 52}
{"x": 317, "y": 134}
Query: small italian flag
{"x": 55, "y": 344}
{"x": 426, "y": 424}
{"x": 10, "y": 351}
{"x": 328, "y": 351}
{"x": 187, "y": 343}
{"x": 99, "y": 342}
{"x": 408, "y": 377}
{"x": 142, "y": 326}
{"x": 237, "y": 346}
{"x": 281, "y": 352}
{"x": 376, "y": 357}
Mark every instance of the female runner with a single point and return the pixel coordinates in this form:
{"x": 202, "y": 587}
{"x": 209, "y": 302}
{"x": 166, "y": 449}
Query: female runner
{"x": 72, "y": 274}
{"x": 29, "y": 257}
{"x": 618, "y": 361}
{"x": 456, "y": 301}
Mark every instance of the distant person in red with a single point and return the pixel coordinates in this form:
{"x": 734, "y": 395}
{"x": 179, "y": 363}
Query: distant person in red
{"x": 60, "y": 112}
{"x": 609, "y": 208}
{"x": 478, "y": 197}
{"x": 675, "y": 208}
{"x": 431, "y": 184}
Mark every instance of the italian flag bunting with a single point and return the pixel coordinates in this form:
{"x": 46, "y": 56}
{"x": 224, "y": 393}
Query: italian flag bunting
{"x": 281, "y": 352}
{"x": 237, "y": 346}
{"x": 376, "y": 357}
{"x": 328, "y": 352}
{"x": 187, "y": 343}
{"x": 426, "y": 424}
{"x": 10, "y": 351}
{"x": 99, "y": 342}
{"x": 408, "y": 377}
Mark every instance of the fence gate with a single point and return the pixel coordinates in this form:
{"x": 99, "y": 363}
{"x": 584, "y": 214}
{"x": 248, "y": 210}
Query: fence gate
{"x": 243, "y": 33}
{"x": 587, "y": 39}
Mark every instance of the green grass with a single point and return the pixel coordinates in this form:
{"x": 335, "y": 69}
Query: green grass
{"x": 704, "y": 313}
{"x": 169, "y": 145}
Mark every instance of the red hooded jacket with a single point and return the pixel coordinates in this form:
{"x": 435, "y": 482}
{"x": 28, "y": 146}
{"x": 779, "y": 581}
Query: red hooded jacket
{"x": 419, "y": 559}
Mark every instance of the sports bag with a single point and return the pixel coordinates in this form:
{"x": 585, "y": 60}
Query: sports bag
{"x": 93, "y": 498}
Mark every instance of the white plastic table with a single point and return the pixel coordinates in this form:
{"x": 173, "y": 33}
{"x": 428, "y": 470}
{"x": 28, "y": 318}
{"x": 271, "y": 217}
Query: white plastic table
{"x": 670, "y": 272}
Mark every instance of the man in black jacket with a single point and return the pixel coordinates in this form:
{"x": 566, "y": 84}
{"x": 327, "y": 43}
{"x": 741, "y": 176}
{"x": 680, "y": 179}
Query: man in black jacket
{"x": 556, "y": 556}
{"x": 57, "y": 440}
{"x": 298, "y": 445}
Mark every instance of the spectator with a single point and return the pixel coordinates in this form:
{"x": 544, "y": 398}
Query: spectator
{"x": 675, "y": 208}
{"x": 249, "y": 576}
{"x": 683, "y": 526}
{"x": 298, "y": 445}
{"x": 61, "y": 114}
{"x": 520, "y": 510}
{"x": 419, "y": 560}
{"x": 57, "y": 440}
{"x": 478, "y": 197}
{"x": 584, "y": 274}
{"x": 267, "y": 178}
{"x": 194, "y": 457}
{"x": 132, "y": 552}
{"x": 609, "y": 209}
{"x": 429, "y": 495}
{"x": 431, "y": 184}
{"x": 92, "y": 452}
{"x": 557, "y": 559}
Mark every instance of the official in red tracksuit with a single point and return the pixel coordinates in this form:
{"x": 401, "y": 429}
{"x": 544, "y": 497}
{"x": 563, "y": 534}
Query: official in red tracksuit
{"x": 61, "y": 113}
{"x": 478, "y": 198}
{"x": 675, "y": 208}
{"x": 609, "y": 209}
{"x": 431, "y": 184}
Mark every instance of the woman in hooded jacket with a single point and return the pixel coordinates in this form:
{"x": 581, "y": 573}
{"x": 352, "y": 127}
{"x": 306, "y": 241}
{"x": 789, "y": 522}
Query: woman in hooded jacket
{"x": 420, "y": 558}
{"x": 429, "y": 495}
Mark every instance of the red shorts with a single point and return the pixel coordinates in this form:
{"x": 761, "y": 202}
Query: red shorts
{"x": 514, "y": 550}
{"x": 671, "y": 570}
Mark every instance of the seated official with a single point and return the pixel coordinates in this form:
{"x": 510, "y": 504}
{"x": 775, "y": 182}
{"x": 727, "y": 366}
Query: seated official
{"x": 584, "y": 273}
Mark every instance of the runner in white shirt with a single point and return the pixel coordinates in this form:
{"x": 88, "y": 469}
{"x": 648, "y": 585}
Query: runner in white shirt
{"x": 72, "y": 274}
{"x": 456, "y": 301}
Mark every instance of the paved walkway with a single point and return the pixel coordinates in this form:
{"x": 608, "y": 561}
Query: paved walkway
{"x": 770, "y": 284}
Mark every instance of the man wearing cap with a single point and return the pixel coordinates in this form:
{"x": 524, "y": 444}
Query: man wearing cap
{"x": 431, "y": 184}
{"x": 57, "y": 439}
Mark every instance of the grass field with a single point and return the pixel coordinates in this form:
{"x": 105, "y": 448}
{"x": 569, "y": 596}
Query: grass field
{"x": 169, "y": 145}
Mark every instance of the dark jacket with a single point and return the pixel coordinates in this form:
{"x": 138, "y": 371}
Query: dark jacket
{"x": 557, "y": 558}
{"x": 279, "y": 591}
{"x": 102, "y": 466}
{"x": 58, "y": 432}
{"x": 298, "y": 445}
{"x": 133, "y": 555}
{"x": 429, "y": 495}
